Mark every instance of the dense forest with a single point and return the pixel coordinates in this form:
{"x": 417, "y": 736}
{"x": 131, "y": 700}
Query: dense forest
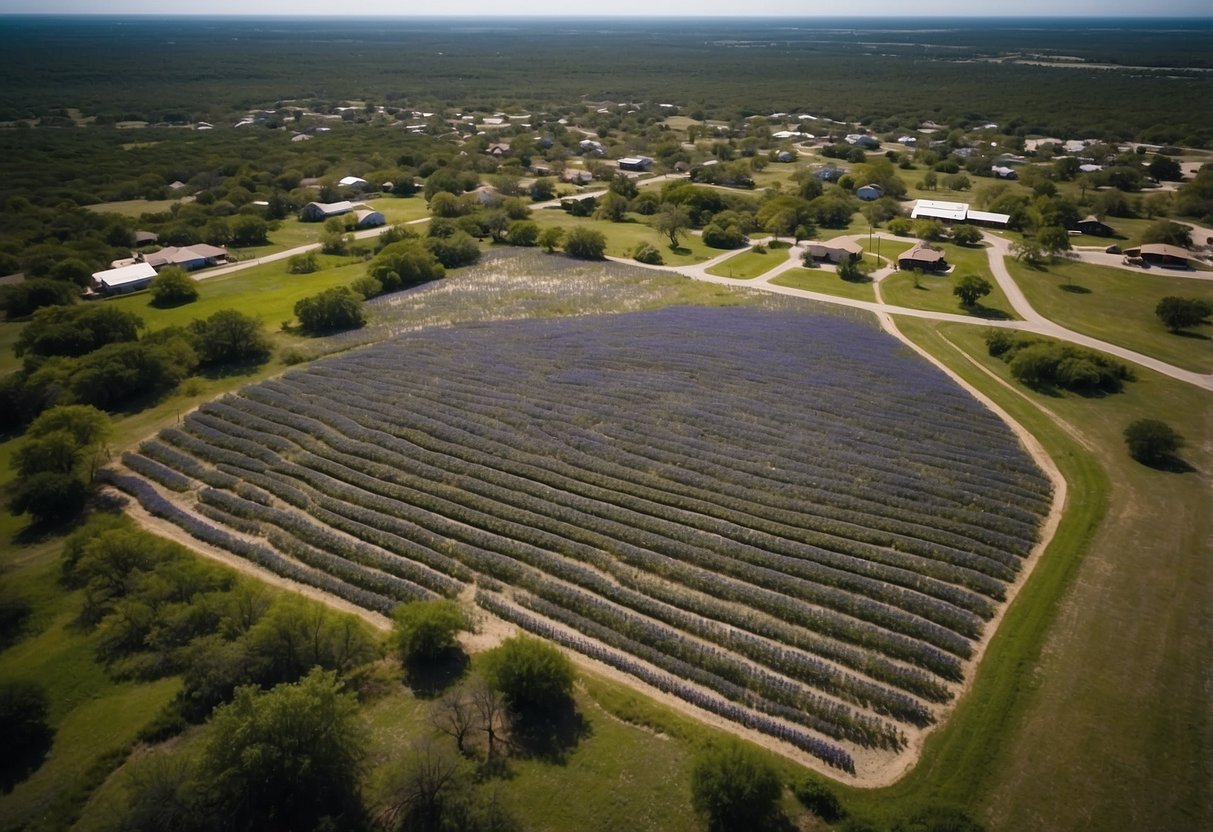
{"x": 896, "y": 71}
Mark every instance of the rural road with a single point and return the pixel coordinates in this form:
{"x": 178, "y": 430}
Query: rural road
{"x": 1033, "y": 321}
{"x": 997, "y": 251}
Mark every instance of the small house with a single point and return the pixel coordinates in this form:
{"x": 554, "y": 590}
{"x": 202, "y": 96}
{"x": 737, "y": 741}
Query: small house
{"x": 1094, "y": 226}
{"x": 320, "y": 211}
{"x": 830, "y": 173}
{"x": 1161, "y": 254}
{"x": 369, "y": 219}
{"x": 637, "y": 163}
{"x": 922, "y": 257}
{"x": 198, "y": 256}
{"x": 124, "y": 279}
{"x": 869, "y": 192}
{"x": 577, "y": 176}
{"x": 354, "y": 183}
{"x": 835, "y": 251}
{"x": 498, "y": 149}
{"x": 1004, "y": 172}
{"x": 146, "y": 238}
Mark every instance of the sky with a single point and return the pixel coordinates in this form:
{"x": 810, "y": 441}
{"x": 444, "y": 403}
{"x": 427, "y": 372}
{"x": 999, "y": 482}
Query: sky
{"x": 668, "y": 8}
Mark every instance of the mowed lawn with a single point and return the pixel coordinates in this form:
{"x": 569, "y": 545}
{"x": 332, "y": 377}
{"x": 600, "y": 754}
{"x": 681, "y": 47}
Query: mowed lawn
{"x": 623, "y": 237}
{"x": 749, "y": 264}
{"x": 1091, "y": 710}
{"x": 935, "y": 292}
{"x": 1117, "y": 306}
{"x": 825, "y": 281}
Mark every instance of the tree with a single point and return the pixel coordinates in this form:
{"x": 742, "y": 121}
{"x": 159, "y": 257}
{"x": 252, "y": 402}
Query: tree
{"x": 172, "y": 287}
{"x": 734, "y": 786}
{"x": 1028, "y": 251}
{"x": 1171, "y": 233}
{"x": 77, "y": 330}
{"x": 425, "y": 630}
{"x": 970, "y": 288}
{"x": 612, "y": 206}
{"x": 24, "y": 708}
{"x": 1152, "y": 442}
{"x": 491, "y": 715}
{"x": 230, "y": 337}
{"x": 818, "y": 799}
{"x": 550, "y": 238}
{"x": 645, "y": 253}
{"x": 458, "y": 249}
{"x": 1181, "y": 313}
{"x": 531, "y": 674}
{"x": 249, "y": 230}
{"x": 330, "y": 311}
{"x": 1165, "y": 169}
{"x": 56, "y": 464}
{"x": 543, "y": 189}
{"x": 1053, "y": 240}
{"x": 405, "y": 263}
{"x": 783, "y": 214}
{"x": 421, "y": 790}
{"x": 286, "y": 758}
{"x": 671, "y": 220}
{"x": 21, "y": 299}
{"x": 852, "y": 269}
{"x": 457, "y": 716}
{"x": 966, "y": 235}
{"x": 522, "y": 233}
{"x": 585, "y": 243}
{"x": 305, "y": 263}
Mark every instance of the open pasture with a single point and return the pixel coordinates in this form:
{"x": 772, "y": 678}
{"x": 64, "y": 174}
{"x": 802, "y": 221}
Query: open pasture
{"x": 783, "y": 519}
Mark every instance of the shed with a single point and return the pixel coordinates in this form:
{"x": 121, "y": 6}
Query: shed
{"x": 989, "y": 218}
{"x": 869, "y": 192}
{"x": 125, "y": 279}
{"x": 369, "y": 219}
{"x": 356, "y": 183}
{"x": 935, "y": 209}
{"x": 923, "y": 257}
{"x": 639, "y": 163}
{"x": 146, "y": 238}
{"x": 318, "y": 211}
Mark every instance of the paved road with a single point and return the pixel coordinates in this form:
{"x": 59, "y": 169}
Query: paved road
{"x": 1032, "y": 321}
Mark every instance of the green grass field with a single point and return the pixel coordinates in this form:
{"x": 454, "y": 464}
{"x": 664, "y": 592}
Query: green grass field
{"x": 623, "y": 237}
{"x": 134, "y": 207}
{"x": 826, "y": 282}
{"x": 749, "y": 264}
{"x": 935, "y": 293}
{"x": 1117, "y": 306}
{"x": 1090, "y": 710}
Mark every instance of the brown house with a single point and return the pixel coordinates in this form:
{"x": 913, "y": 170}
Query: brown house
{"x": 922, "y": 257}
{"x": 1161, "y": 254}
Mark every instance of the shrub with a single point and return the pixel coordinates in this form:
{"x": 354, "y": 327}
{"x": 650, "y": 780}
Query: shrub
{"x": 330, "y": 311}
{"x": 550, "y": 238}
{"x": 965, "y": 235}
{"x": 971, "y": 288}
{"x": 303, "y": 263}
{"x": 367, "y": 286}
{"x": 522, "y": 233}
{"x": 900, "y": 226}
{"x": 173, "y": 287}
{"x": 424, "y": 630}
{"x": 23, "y": 298}
{"x": 726, "y": 236}
{"x": 458, "y": 249}
{"x": 818, "y": 799}
{"x": 645, "y": 253}
{"x": 529, "y": 673}
{"x": 1046, "y": 364}
{"x": 24, "y": 707}
{"x": 585, "y": 244}
{"x": 1182, "y": 313}
{"x": 1151, "y": 441}
{"x": 734, "y": 786}
{"x": 230, "y": 337}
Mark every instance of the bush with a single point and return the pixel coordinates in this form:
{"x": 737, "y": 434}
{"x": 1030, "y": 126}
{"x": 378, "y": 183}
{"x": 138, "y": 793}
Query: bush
{"x": 734, "y": 786}
{"x": 522, "y": 233}
{"x": 172, "y": 287}
{"x": 230, "y": 337}
{"x": 1182, "y": 313}
{"x": 424, "y": 630}
{"x": 550, "y": 238}
{"x": 585, "y": 244}
{"x": 971, "y": 288}
{"x": 332, "y": 310}
{"x": 77, "y": 330}
{"x": 455, "y": 250}
{"x": 726, "y": 236}
{"x": 1152, "y": 442}
{"x": 303, "y": 263}
{"x": 403, "y": 264}
{"x": 645, "y": 253}
{"x": 24, "y": 298}
{"x": 966, "y": 235}
{"x": 24, "y": 707}
{"x": 529, "y": 673}
{"x": 818, "y": 799}
{"x": 1046, "y": 364}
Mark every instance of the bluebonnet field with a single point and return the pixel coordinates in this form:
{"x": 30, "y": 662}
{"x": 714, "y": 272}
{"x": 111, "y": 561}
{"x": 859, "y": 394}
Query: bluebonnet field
{"x": 786, "y": 519}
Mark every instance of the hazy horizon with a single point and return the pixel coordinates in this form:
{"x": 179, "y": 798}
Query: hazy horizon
{"x": 894, "y": 9}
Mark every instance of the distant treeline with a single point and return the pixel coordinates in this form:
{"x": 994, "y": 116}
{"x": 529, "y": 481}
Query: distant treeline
{"x": 189, "y": 69}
